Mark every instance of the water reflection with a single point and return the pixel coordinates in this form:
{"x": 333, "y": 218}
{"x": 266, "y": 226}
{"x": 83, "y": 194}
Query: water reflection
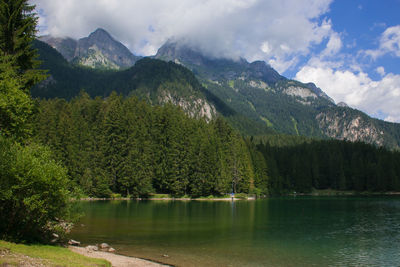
{"x": 299, "y": 231}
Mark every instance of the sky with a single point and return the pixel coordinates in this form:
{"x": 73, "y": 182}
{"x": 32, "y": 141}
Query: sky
{"x": 348, "y": 48}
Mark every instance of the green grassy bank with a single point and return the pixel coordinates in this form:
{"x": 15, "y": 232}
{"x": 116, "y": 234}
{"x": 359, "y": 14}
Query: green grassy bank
{"x": 41, "y": 255}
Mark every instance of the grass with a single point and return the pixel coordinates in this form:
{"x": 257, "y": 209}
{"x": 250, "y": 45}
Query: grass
{"x": 268, "y": 122}
{"x": 34, "y": 255}
{"x": 295, "y": 125}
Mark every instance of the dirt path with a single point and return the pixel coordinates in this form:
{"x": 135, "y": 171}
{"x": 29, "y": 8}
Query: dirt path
{"x": 116, "y": 260}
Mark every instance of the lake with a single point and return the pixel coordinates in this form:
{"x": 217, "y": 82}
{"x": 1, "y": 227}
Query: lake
{"x": 287, "y": 231}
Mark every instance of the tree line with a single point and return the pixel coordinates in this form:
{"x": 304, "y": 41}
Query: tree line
{"x": 126, "y": 146}
{"x": 330, "y": 164}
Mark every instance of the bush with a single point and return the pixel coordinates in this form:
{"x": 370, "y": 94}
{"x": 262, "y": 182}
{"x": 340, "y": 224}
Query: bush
{"x": 34, "y": 200}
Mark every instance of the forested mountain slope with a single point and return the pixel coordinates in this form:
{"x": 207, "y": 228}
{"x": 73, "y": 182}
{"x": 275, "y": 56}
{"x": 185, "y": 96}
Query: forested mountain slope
{"x": 153, "y": 80}
{"x": 253, "y": 97}
{"x": 257, "y": 91}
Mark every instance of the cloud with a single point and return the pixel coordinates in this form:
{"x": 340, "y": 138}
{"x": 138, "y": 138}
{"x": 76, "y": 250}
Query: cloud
{"x": 380, "y": 70}
{"x": 357, "y": 89}
{"x": 333, "y": 46}
{"x": 275, "y": 31}
{"x": 389, "y": 43}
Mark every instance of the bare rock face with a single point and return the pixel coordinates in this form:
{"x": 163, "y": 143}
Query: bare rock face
{"x": 319, "y": 92}
{"x": 101, "y": 49}
{"x": 300, "y": 92}
{"x": 98, "y": 50}
{"x": 343, "y": 127}
{"x": 193, "y": 106}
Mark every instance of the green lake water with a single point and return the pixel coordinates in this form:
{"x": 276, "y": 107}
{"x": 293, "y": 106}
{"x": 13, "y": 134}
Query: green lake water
{"x": 290, "y": 231}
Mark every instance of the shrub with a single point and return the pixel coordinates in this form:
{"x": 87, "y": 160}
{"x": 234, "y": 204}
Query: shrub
{"x": 34, "y": 200}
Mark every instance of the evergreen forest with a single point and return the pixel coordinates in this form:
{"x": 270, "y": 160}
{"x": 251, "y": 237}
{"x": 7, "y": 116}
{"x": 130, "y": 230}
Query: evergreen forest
{"x": 329, "y": 164}
{"x": 124, "y": 145}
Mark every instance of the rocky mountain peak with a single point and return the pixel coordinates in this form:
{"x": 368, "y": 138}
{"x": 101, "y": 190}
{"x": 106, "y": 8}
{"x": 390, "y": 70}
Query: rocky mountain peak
{"x": 175, "y": 51}
{"x": 100, "y": 33}
{"x": 319, "y": 92}
{"x": 261, "y": 70}
{"x": 98, "y": 50}
{"x": 216, "y": 68}
{"x": 101, "y": 38}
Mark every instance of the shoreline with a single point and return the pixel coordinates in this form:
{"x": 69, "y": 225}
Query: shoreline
{"x": 117, "y": 260}
{"x": 164, "y": 199}
{"x": 317, "y": 193}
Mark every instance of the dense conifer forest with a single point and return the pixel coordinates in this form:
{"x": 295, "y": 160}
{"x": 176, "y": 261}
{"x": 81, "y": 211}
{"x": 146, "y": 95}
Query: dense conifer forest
{"x": 126, "y": 146}
{"x": 331, "y": 164}
{"x": 123, "y": 145}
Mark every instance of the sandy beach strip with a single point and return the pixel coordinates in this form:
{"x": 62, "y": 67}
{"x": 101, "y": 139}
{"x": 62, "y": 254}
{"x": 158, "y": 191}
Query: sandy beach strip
{"x": 115, "y": 259}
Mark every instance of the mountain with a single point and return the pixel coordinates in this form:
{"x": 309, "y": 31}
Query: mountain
{"x": 256, "y": 91}
{"x": 252, "y": 96}
{"x": 99, "y": 50}
{"x": 156, "y": 81}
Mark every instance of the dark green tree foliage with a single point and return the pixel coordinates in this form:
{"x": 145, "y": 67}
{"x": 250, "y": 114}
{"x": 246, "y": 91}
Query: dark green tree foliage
{"x": 17, "y": 32}
{"x": 33, "y": 195}
{"x": 34, "y": 199}
{"x": 331, "y": 164}
{"x": 126, "y": 146}
{"x": 17, "y": 67}
{"x": 15, "y": 104}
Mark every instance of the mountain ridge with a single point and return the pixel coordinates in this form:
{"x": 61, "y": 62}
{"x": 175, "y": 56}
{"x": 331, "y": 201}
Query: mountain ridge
{"x": 155, "y": 81}
{"x": 258, "y": 94}
{"x": 288, "y": 106}
{"x": 98, "y": 50}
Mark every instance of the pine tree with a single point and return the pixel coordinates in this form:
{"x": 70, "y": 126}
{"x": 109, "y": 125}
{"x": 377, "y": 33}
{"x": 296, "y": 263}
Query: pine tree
{"x": 15, "y": 105}
{"x": 17, "y": 32}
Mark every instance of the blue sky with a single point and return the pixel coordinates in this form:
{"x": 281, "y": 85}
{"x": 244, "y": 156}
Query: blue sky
{"x": 360, "y": 24}
{"x": 348, "y": 48}
{"x": 364, "y": 72}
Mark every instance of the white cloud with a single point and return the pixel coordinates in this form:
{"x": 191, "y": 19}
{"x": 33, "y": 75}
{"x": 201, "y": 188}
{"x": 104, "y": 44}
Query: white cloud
{"x": 392, "y": 119}
{"x": 390, "y": 40}
{"x": 255, "y": 29}
{"x": 357, "y": 89}
{"x": 266, "y": 48}
{"x": 389, "y": 43}
{"x": 282, "y": 64}
{"x": 334, "y": 45}
{"x": 380, "y": 70}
